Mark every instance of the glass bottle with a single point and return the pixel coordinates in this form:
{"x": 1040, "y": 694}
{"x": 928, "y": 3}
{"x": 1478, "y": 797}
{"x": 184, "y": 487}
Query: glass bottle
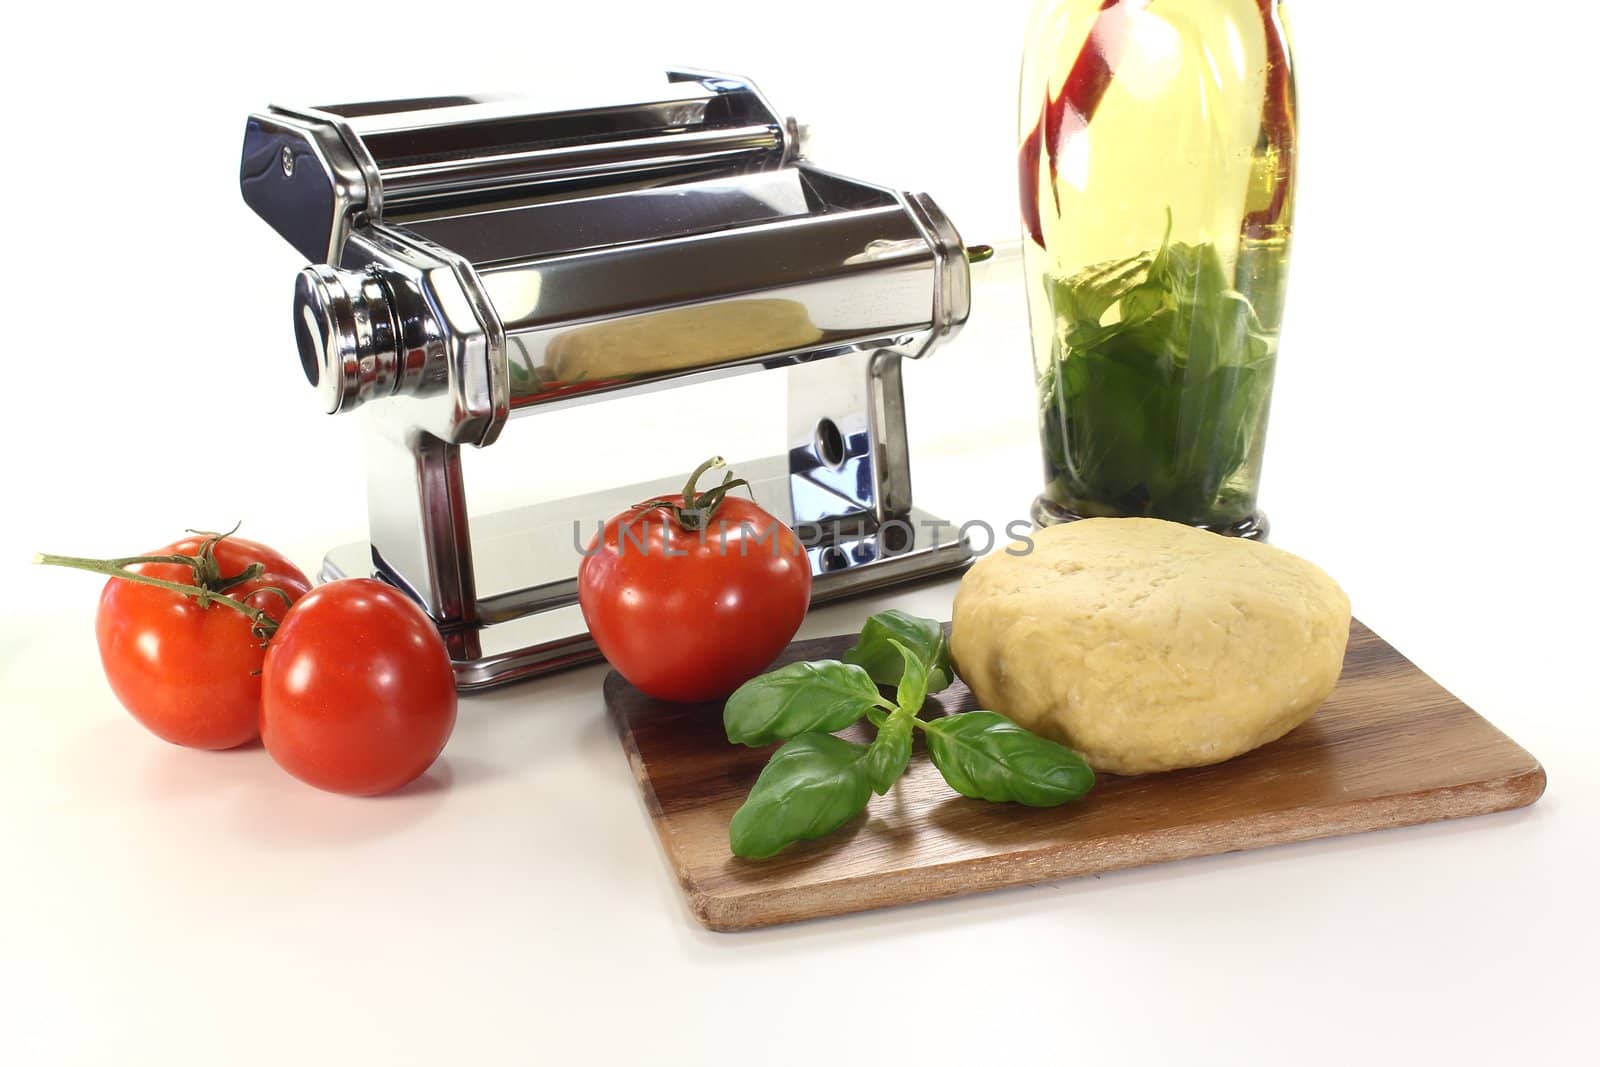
{"x": 1157, "y": 179}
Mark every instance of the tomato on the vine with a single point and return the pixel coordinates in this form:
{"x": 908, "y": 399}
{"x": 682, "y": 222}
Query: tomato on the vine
{"x": 358, "y": 695}
{"x": 691, "y": 595}
{"x": 191, "y": 672}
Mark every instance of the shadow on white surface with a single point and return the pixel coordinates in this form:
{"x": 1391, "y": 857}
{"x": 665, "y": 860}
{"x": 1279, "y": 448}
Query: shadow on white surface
{"x": 243, "y": 787}
{"x": 297, "y": 817}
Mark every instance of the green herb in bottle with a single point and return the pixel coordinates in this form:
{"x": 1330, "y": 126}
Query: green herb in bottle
{"x": 1155, "y": 399}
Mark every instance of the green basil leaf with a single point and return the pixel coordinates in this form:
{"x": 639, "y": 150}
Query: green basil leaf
{"x": 913, "y": 688}
{"x": 987, "y": 756}
{"x": 812, "y": 786}
{"x": 890, "y": 752}
{"x": 822, "y": 695}
{"x": 925, "y": 637}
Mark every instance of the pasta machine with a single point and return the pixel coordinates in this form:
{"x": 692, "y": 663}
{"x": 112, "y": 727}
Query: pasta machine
{"x": 475, "y": 258}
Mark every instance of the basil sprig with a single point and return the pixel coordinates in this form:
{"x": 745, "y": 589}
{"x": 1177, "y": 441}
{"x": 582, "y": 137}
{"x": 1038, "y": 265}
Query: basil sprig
{"x": 816, "y": 782}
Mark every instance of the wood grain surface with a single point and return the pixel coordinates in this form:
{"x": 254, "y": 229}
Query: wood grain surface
{"x": 1389, "y": 748}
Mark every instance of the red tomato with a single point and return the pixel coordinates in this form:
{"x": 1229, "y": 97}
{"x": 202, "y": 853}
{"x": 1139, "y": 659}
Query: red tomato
{"x": 357, "y": 692}
{"x": 190, "y": 674}
{"x": 690, "y": 618}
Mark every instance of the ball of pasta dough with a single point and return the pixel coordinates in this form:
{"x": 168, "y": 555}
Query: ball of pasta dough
{"x": 1148, "y": 645}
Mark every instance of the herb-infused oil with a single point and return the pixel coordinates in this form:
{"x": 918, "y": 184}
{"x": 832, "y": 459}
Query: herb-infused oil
{"x": 1157, "y": 181}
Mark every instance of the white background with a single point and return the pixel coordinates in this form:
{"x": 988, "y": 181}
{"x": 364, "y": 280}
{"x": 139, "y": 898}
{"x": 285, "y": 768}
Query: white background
{"x": 1433, "y": 446}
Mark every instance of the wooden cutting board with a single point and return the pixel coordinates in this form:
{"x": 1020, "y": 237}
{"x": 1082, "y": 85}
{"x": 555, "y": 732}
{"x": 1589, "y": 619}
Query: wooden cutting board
{"x": 1389, "y": 748}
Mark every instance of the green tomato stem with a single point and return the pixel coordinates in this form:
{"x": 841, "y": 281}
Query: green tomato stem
{"x": 250, "y": 573}
{"x": 694, "y": 514}
{"x": 263, "y": 625}
{"x": 688, "y": 487}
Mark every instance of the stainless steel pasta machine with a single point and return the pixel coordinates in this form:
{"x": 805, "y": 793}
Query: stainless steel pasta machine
{"x": 474, "y": 258}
